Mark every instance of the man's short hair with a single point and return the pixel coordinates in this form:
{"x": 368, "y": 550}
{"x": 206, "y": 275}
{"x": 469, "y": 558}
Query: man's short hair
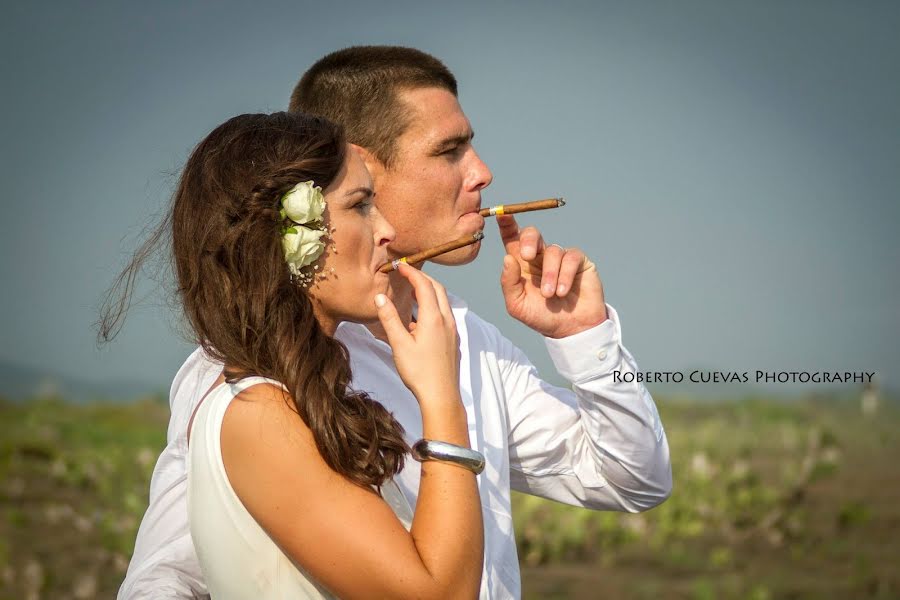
{"x": 358, "y": 88}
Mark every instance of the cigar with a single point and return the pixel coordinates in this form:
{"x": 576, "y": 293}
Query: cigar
{"x": 431, "y": 253}
{"x": 511, "y": 209}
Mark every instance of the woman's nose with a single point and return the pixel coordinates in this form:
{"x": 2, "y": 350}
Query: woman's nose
{"x": 384, "y": 231}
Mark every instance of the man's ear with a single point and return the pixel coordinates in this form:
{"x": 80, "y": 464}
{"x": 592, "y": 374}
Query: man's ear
{"x": 375, "y": 166}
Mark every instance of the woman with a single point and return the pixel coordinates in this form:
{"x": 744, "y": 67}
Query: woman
{"x": 290, "y": 489}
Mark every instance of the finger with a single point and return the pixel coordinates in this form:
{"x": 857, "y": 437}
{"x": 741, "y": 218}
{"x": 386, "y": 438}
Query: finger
{"x": 423, "y": 290}
{"x": 390, "y": 321}
{"x": 531, "y": 243}
{"x": 509, "y": 232}
{"x": 552, "y": 260}
{"x": 572, "y": 264}
{"x": 440, "y": 293}
{"x": 511, "y": 282}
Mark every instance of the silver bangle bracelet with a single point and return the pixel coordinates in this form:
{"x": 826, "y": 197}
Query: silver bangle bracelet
{"x": 442, "y": 451}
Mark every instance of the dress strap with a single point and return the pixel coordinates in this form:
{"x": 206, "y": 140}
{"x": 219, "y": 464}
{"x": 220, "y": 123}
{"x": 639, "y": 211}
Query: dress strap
{"x": 226, "y": 392}
{"x": 247, "y": 382}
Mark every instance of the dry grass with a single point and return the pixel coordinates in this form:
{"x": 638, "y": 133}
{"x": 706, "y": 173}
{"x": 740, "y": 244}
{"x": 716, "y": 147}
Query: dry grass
{"x": 772, "y": 500}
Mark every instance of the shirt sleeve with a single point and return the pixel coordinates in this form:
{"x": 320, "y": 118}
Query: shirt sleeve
{"x": 599, "y": 444}
{"x": 164, "y": 563}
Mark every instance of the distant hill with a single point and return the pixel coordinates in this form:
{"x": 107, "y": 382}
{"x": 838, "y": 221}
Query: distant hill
{"x": 19, "y": 382}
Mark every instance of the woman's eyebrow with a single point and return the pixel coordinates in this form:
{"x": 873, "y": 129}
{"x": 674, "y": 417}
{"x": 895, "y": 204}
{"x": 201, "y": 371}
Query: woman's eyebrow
{"x": 367, "y": 191}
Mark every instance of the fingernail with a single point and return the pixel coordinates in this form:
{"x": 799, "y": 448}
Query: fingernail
{"x": 380, "y": 300}
{"x": 561, "y": 289}
{"x": 548, "y": 288}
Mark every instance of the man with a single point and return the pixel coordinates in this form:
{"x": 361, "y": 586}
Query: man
{"x": 600, "y": 445}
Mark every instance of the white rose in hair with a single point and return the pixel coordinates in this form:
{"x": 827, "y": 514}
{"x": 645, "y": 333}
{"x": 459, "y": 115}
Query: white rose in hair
{"x": 304, "y": 203}
{"x": 302, "y": 247}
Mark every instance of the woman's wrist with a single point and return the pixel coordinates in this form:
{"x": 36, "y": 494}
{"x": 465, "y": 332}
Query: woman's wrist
{"x": 462, "y": 456}
{"x": 445, "y": 419}
{"x": 439, "y": 399}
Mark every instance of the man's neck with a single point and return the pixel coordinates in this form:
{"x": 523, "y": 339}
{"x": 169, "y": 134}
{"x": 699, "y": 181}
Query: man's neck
{"x": 403, "y": 301}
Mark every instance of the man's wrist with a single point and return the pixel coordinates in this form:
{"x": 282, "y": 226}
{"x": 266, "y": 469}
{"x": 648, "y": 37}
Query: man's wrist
{"x": 570, "y": 329}
{"x": 588, "y": 353}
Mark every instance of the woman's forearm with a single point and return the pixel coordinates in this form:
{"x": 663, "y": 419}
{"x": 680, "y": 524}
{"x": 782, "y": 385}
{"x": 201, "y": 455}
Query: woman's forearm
{"x": 447, "y": 528}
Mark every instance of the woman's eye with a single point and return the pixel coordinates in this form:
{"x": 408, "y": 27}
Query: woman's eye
{"x": 363, "y": 206}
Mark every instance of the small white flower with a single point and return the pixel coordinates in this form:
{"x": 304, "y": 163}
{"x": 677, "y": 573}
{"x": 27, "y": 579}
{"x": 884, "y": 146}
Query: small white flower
{"x": 302, "y": 246}
{"x": 304, "y": 203}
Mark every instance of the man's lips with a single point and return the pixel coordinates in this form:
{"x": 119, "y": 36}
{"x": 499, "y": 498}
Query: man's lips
{"x": 476, "y": 219}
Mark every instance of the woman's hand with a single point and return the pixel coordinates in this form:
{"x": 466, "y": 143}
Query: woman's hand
{"x": 427, "y": 354}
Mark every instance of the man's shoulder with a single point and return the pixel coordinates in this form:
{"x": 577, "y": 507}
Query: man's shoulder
{"x": 197, "y": 366}
{"x": 193, "y": 379}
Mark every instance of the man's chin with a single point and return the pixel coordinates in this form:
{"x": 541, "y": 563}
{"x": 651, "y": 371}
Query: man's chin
{"x": 458, "y": 257}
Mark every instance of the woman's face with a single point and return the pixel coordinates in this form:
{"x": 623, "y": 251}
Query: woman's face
{"x": 348, "y": 279}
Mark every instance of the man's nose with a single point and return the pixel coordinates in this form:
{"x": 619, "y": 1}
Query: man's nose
{"x": 480, "y": 175}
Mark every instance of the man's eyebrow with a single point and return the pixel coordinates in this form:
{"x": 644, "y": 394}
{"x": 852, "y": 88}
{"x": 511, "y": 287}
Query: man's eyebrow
{"x": 455, "y": 140}
{"x": 367, "y": 191}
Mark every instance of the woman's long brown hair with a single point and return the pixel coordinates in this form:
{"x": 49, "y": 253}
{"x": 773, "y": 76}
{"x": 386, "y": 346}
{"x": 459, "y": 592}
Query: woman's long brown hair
{"x": 236, "y": 289}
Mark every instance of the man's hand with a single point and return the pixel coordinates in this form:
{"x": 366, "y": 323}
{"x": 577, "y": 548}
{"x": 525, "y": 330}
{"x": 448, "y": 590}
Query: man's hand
{"x": 555, "y": 291}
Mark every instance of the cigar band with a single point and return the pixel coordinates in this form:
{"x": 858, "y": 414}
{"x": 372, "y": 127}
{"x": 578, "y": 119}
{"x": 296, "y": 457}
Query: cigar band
{"x": 395, "y": 264}
{"x": 496, "y": 210}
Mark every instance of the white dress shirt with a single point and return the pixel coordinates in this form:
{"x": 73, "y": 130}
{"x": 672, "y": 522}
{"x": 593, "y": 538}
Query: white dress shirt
{"x": 599, "y": 445}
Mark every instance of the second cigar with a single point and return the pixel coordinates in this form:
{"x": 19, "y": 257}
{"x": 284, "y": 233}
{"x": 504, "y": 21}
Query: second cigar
{"x": 431, "y": 253}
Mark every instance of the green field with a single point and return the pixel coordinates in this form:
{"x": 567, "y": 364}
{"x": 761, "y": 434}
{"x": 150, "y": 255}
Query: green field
{"x": 772, "y": 499}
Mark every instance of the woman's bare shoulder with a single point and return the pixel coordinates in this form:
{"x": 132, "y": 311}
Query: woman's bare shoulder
{"x": 264, "y": 413}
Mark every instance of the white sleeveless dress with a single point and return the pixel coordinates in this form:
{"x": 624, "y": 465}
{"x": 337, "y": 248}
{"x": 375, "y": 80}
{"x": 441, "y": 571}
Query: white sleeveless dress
{"x": 238, "y": 558}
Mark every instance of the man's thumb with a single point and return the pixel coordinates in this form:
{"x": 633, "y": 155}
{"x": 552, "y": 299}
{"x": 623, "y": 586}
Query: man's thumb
{"x": 511, "y": 278}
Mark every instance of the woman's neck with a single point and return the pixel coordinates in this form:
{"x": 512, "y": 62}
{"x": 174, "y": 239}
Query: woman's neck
{"x": 328, "y": 324}
{"x": 403, "y": 301}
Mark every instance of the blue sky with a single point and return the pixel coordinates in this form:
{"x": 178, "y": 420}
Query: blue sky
{"x": 731, "y": 167}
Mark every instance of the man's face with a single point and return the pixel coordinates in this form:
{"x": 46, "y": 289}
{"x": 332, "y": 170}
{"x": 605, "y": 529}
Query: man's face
{"x": 432, "y": 192}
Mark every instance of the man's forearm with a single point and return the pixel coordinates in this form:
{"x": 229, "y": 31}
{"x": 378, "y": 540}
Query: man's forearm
{"x": 599, "y": 445}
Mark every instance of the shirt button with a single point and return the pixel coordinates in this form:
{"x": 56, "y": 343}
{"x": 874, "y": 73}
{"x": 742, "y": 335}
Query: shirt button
{"x": 601, "y": 354}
